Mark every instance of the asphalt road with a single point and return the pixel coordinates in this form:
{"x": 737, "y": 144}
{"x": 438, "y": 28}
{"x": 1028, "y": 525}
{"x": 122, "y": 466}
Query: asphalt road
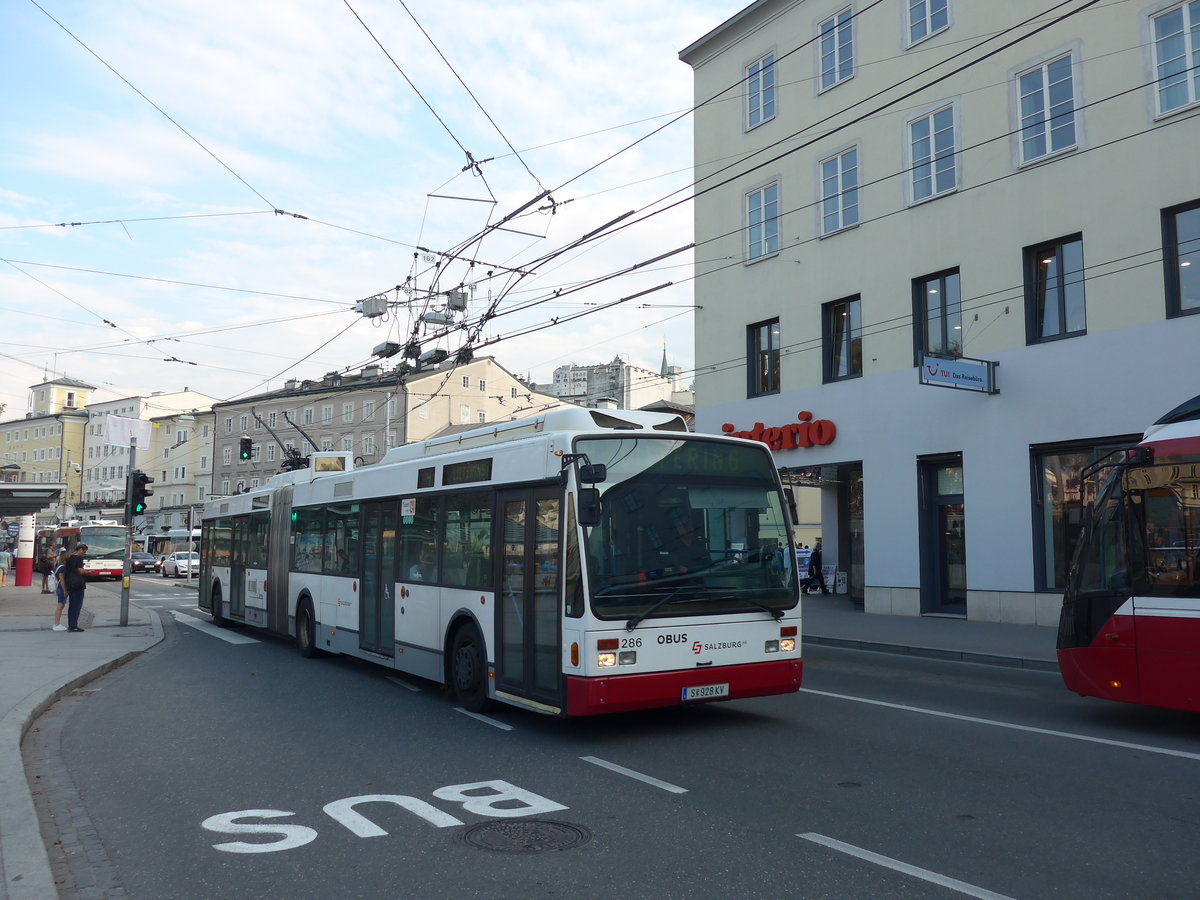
{"x": 209, "y": 769}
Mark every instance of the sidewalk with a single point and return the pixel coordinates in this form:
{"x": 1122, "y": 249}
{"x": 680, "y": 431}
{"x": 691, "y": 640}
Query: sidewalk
{"x": 833, "y": 620}
{"x": 37, "y": 666}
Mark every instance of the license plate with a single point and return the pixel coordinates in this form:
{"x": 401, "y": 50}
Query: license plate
{"x": 706, "y": 691}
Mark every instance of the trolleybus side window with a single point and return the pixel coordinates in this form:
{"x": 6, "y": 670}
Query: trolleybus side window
{"x": 467, "y": 540}
{"x": 572, "y": 572}
{"x": 310, "y": 539}
{"x": 418, "y": 551}
{"x": 221, "y": 541}
{"x": 341, "y": 539}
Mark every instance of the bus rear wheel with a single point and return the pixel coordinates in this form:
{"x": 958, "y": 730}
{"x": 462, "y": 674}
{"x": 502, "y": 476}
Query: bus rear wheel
{"x": 306, "y": 630}
{"x": 218, "y": 616}
{"x": 468, "y": 669}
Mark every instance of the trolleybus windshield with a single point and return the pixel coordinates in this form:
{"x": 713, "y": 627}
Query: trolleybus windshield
{"x": 686, "y": 527}
{"x": 104, "y": 542}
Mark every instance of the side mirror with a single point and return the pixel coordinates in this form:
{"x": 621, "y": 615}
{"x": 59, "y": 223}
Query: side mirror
{"x": 593, "y": 474}
{"x": 589, "y": 507}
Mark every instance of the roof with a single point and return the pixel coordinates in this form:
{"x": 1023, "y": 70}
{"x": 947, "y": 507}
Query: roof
{"x": 27, "y": 499}
{"x": 68, "y": 382}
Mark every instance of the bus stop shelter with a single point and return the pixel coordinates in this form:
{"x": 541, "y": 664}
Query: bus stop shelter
{"x": 19, "y": 503}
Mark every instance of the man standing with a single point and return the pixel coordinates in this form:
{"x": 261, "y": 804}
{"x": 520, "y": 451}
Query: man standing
{"x": 74, "y": 585}
{"x": 816, "y": 574}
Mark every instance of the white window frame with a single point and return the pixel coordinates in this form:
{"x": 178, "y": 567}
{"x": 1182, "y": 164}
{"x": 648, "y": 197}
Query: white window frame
{"x": 368, "y": 410}
{"x": 368, "y": 444}
{"x": 929, "y": 115}
{"x": 1190, "y": 34}
{"x": 761, "y": 99}
{"x": 766, "y": 244}
{"x": 225, "y": 486}
{"x": 347, "y": 413}
{"x": 227, "y": 456}
{"x": 830, "y": 46}
{"x": 1044, "y": 110}
{"x": 924, "y": 13}
{"x": 847, "y": 211}
{"x": 271, "y": 452}
{"x": 327, "y": 415}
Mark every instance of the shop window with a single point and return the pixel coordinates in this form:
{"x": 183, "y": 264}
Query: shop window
{"x": 1181, "y": 258}
{"x": 937, "y": 315}
{"x": 1054, "y": 301}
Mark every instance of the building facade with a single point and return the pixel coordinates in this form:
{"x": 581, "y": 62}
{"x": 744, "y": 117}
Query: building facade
{"x": 619, "y": 382}
{"x": 46, "y": 445}
{"x": 364, "y": 414}
{"x": 968, "y": 260}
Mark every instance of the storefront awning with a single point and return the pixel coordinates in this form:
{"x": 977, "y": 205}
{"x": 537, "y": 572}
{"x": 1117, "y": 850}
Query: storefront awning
{"x": 27, "y": 499}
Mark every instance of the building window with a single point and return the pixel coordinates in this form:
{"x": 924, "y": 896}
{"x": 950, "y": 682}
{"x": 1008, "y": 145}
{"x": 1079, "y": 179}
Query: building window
{"x": 926, "y": 17}
{"x": 762, "y": 222}
{"x": 243, "y": 422}
{"x": 308, "y": 416}
{"x": 937, "y": 315}
{"x": 482, "y": 386}
{"x": 347, "y": 412}
{"x": 326, "y": 415}
{"x": 1046, "y": 104}
{"x": 1181, "y": 258}
{"x": 204, "y": 432}
{"x": 932, "y": 146}
{"x": 466, "y": 381}
{"x": 1177, "y": 56}
{"x": 837, "y": 49}
{"x": 225, "y": 487}
{"x": 843, "y": 339}
{"x": 272, "y": 418}
{"x": 762, "y": 363}
{"x": 271, "y": 452}
{"x": 1054, "y": 305}
{"x": 839, "y": 192}
{"x": 348, "y": 444}
{"x": 229, "y": 425}
{"x": 482, "y": 417}
{"x": 368, "y": 445}
{"x": 760, "y": 91}
{"x": 512, "y": 392}
{"x": 227, "y": 456}
{"x": 464, "y": 415}
{"x": 203, "y": 463}
{"x": 368, "y": 410}
{"x": 326, "y": 442}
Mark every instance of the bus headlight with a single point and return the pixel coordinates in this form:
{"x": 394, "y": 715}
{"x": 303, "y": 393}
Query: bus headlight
{"x": 787, "y": 645}
{"x": 771, "y": 647}
{"x": 606, "y": 659}
{"x": 627, "y": 658}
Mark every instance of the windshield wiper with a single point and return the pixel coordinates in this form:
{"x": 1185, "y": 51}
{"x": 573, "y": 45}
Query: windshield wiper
{"x": 776, "y": 612}
{"x": 633, "y": 622}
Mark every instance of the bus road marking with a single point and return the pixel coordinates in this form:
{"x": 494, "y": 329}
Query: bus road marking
{"x": 484, "y": 719}
{"x": 231, "y": 637}
{"x": 621, "y": 770}
{"x": 1049, "y": 732}
{"x": 404, "y": 684}
{"x": 886, "y": 861}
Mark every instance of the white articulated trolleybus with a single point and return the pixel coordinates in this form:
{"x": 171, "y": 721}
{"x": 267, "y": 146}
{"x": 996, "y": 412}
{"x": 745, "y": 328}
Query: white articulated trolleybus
{"x": 576, "y": 563}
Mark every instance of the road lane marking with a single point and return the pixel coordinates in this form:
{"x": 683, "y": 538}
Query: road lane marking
{"x": 484, "y": 719}
{"x": 621, "y": 770}
{"x": 404, "y": 684}
{"x": 1049, "y": 732}
{"x": 933, "y": 877}
{"x": 231, "y": 637}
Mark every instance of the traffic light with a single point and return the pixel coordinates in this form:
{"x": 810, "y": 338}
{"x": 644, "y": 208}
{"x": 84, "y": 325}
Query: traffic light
{"x": 245, "y": 449}
{"x": 140, "y": 480}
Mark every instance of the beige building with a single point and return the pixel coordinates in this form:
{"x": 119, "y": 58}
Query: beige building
{"x": 966, "y": 259}
{"x": 364, "y": 414}
{"x": 46, "y": 445}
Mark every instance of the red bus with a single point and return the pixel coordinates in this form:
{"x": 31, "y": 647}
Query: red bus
{"x": 106, "y": 546}
{"x": 1130, "y": 623}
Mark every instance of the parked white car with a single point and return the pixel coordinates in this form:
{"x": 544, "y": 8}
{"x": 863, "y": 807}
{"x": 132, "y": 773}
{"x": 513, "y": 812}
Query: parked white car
{"x": 180, "y": 564}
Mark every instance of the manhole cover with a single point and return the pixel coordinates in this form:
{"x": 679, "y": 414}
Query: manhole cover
{"x": 527, "y": 836}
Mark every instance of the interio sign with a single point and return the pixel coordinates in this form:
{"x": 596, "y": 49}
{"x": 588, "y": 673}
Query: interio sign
{"x": 809, "y": 432}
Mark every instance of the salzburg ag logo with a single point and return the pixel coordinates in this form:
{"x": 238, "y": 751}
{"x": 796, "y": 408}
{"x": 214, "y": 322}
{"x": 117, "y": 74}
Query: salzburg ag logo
{"x": 696, "y": 647}
{"x": 720, "y": 645}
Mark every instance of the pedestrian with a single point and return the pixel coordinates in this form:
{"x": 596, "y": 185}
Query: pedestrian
{"x": 5, "y": 563}
{"x": 815, "y": 574}
{"x": 59, "y": 568}
{"x": 45, "y": 565}
{"x": 74, "y": 585}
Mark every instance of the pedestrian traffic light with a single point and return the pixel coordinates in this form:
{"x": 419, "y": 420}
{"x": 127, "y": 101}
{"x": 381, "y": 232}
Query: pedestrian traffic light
{"x": 139, "y": 491}
{"x": 245, "y": 449}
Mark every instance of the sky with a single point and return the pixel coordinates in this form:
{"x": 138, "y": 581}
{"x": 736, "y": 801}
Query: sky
{"x": 196, "y": 195}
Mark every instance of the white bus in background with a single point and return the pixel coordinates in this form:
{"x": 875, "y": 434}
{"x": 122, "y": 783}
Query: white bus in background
{"x": 576, "y": 563}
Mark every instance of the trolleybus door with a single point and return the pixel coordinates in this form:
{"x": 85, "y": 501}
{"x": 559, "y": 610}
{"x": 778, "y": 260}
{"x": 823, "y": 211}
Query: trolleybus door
{"x": 528, "y": 655}
{"x": 240, "y": 540}
{"x": 377, "y": 603}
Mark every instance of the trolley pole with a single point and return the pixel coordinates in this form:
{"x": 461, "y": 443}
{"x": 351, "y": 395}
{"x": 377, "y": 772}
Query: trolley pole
{"x": 127, "y": 564}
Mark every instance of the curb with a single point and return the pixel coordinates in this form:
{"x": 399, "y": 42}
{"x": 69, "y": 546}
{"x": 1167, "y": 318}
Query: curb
{"x": 987, "y": 659}
{"x": 24, "y": 860}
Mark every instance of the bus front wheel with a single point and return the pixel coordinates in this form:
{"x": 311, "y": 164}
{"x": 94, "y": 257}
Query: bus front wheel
{"x": 468, "y": 669}
{"x": 306, "y": 630}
